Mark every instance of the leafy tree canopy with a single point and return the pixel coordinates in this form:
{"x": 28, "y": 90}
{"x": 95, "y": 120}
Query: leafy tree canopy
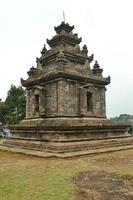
{"x": 123, "y": 119}
{"x": 13, "y": 109}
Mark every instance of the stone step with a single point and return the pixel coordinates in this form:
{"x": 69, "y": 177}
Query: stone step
{"x": 71, "y": 139}
{"x": 88, "y": 146}
{"x": 64, "y": 155}
{"x": 70, "y": 146}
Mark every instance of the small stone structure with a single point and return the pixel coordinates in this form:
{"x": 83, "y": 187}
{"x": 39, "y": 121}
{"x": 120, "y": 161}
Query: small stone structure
{"x": 65, "y": 100}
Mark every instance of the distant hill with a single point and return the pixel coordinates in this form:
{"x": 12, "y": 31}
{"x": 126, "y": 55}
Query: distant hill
{"x": 123, "y": 119}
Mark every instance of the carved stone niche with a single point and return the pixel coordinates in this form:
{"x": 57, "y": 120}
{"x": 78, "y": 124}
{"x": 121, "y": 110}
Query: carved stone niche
{"x": 38, "y": 95}
{"x": 87, "y": 100}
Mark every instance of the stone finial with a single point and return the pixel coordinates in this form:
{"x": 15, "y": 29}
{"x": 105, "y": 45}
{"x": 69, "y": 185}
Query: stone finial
{"x": 22, "y": 81}
{"x": 96, "y": 65}
{"x": 109, "y": 79}
{"x": 75, "y": 34}
{"x": 96, "y": 69}
{"x": 44, "y": 50}
{"x": 31, "y": 72}
{"x": 37, "y": 59}
{"x": 85, "y": 50}
{"x": 90, "y": 58}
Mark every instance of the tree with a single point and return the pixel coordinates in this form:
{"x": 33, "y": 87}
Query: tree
{"x": 15, "y": 103}
{"x": 123, "y": 119}
{"x": 3, "y": 112}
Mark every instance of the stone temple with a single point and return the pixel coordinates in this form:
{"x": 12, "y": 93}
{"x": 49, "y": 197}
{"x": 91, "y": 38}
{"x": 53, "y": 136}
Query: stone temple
{"x": 63, "y": 84}
{"x": 65, "y": 102}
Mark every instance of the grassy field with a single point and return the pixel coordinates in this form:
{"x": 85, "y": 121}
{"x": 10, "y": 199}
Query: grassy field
{"x": 29, "y": 178}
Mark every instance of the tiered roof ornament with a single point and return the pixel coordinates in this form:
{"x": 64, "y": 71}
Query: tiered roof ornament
{"x": 31, "y": 72}
{"x": 63, "y": 27}
{"x": 96, "y": 69}
{"x": 64, "y": 36}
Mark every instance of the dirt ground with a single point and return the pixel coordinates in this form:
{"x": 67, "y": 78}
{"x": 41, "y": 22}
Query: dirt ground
{"x": 93, "y": 185}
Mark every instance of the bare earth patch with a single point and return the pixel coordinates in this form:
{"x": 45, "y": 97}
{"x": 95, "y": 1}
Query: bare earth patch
{"x": 99, "y": 185}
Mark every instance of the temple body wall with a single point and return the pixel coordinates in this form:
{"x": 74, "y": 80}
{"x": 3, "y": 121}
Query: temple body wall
{"x": 65, "y": 98}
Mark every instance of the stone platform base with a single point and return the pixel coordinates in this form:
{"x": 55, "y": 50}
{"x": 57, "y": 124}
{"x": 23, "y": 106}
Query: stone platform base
{"x": 46, "y": 154}
{"x": 66, "y": 138}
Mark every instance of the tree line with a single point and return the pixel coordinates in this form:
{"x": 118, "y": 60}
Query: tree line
{"x": 123, "y": 119}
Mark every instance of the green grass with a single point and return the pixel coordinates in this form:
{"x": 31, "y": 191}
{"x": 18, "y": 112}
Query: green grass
{"x": 30, "y": 178}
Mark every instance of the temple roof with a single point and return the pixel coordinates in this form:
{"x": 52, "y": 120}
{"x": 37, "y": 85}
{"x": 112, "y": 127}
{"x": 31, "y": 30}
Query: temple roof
{"x": 66, "y": 43}
{"x": 65, "y": 54}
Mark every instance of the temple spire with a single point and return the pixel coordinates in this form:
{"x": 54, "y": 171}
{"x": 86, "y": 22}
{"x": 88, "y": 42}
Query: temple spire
{"x": 63, "y": 16}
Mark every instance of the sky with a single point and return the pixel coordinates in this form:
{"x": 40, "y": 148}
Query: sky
{"x": 106, "y": 27}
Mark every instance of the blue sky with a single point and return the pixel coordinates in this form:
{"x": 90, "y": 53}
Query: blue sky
{"x": 105, "y": 26}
